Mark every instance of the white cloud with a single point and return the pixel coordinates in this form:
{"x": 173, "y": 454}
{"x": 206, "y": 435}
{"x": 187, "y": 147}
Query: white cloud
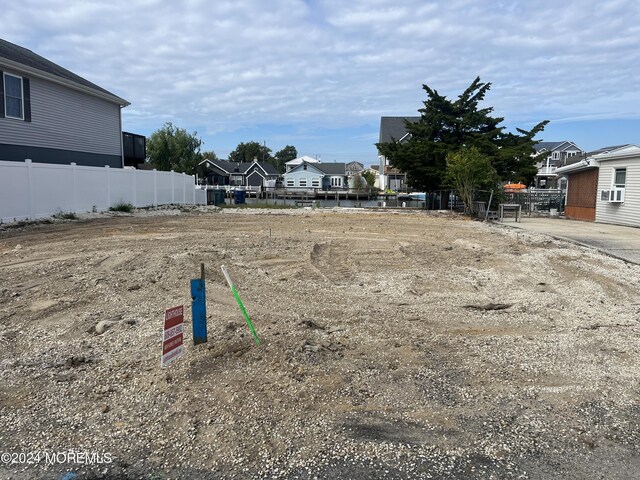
{"x": 223, "y": 65}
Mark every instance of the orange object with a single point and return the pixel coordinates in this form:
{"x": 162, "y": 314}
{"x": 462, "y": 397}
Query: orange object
{"x": 514, "y": 187}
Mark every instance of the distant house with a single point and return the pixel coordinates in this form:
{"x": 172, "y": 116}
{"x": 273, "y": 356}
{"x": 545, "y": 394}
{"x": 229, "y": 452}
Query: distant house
{"x": 51, "y": 115}
{"x": 353, "y": 168}
{"x": 604, "y": 186}
{"x": 393, "y": 179}
{"x": 314, "y": 175}
{"x": 245, "y": 174}
{"x": 559, "y": 154}
{"x": 392, "y": 129}
{"x": 291, "y": 164}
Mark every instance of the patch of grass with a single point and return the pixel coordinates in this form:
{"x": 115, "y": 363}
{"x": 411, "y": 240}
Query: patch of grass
{"x": 122, "y": 207}
{"x": 60, "y": 215}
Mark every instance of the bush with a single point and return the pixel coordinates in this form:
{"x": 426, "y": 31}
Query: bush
{"x": 122, "y": 207}
{"x": 60, "y": 215}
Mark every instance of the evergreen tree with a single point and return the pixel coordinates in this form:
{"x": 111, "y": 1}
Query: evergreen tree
{"x": 446, "y": 126}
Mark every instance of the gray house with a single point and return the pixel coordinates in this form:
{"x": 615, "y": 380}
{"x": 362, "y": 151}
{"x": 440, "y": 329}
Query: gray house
{"x": 51, "y": 115}
{"x": 392, "y": 129}
{"x": 241, "y": 174}
{"x": 559, "y": 154}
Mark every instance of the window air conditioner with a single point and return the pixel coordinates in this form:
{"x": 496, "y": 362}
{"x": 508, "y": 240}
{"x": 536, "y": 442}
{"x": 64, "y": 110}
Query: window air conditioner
{"x": 616, "y": 195}
{"x": 604, "y": 195}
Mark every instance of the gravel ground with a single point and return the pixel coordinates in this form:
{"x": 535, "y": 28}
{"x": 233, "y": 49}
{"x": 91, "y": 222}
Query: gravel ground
{"x": 395, "y": 345}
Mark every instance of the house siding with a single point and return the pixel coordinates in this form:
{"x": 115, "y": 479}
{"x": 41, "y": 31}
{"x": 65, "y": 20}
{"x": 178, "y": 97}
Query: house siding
{"x": 627, "y": 213}
{"x": 307, "y": 175}
{"x": 66, "y": 120}
{"x": 581, "y": 195}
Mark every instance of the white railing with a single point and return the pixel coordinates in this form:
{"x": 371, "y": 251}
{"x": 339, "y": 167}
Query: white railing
{"x": 37, "y": 190}
{"x": 547, "y": 170}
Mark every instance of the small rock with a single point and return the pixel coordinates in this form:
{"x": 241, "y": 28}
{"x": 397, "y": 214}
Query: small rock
{"x": 105, "y": 408}
{"x": 103, "y": 326}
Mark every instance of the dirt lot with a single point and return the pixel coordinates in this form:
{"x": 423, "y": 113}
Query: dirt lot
{"x": 395, "y": 345}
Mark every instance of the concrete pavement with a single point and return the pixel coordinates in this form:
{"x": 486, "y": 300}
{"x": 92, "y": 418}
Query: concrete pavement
{"x": 615, "y": 240}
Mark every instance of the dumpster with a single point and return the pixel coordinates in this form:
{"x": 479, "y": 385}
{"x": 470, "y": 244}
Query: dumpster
{"x": 219, "y": 197}
{"x": 239, "y": 196}
{"x": 215, "y": 197}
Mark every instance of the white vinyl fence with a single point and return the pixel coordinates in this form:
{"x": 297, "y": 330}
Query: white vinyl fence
{"x": 35, "y": 190}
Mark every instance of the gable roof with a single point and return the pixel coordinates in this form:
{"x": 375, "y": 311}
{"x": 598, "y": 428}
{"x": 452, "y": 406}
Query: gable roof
{"x": 625, "y": 151}
{"x": 299, "y": 160}
{"x": 607, "y": 149}
{"x": 548, "y": 146}
{"x": 332, "y": 168}
{"x": 592, "y": 159}
{"x": 240, "y": 167}
{"x": 266, "y": 167}
{"x": 313, "y": 167}
{"x": 354, "y": 166}
{"x": 392, "y": 129}
{"x": 552, "y": 146}
{"x": 18, "y": 57}
{"x": 321, "y": 168}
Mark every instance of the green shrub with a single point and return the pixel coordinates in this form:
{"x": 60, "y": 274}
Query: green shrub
{"x": 122, "y": 207}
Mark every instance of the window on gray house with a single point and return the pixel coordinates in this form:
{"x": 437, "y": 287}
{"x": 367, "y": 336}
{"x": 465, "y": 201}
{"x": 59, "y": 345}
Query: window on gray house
{"x": 13, "y": 96}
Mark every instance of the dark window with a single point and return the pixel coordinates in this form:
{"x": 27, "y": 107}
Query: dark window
{"x": 13, "y": 97}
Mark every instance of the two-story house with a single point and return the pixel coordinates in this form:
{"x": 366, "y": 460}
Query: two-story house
{"x": 51, "y": 115}
{"x": 239, "y": 174}
{"x": 558, "y": 154}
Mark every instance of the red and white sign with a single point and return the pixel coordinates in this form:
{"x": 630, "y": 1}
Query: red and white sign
{"x": 172, "y": 346}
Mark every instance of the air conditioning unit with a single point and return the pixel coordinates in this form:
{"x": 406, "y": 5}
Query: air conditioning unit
{"x": 616, "y": 195}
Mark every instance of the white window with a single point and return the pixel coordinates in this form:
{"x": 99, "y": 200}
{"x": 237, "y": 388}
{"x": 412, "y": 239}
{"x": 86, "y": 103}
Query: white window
{"x": 619, "y": 177}
{"x": 13, "y": 97}
{"x": 290, "y": 182}
{"x": 303, "y": 182}
{"x": 336, "y": 182}
{"x": 315, "y": 182}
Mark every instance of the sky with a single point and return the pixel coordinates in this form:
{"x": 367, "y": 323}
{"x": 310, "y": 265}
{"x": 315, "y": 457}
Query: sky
{"x": 319, "y": 74}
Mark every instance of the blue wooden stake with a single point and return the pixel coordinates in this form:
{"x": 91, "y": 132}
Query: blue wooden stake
{"x": 199, "y": 308}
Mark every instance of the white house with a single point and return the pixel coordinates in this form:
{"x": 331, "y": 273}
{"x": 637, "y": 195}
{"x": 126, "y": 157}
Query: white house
{"x": 618, "y": 198}
{"x": 297, "y": 161}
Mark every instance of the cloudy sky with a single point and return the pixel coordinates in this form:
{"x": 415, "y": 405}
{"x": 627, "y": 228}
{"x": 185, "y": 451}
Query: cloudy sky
{"x": 319, "y": 74}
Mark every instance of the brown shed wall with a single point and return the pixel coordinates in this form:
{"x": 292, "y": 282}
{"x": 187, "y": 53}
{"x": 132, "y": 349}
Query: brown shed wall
{"x": 581, "y": 195}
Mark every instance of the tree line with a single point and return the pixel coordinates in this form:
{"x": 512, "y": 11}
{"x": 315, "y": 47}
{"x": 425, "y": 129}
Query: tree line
{"x": 173, "y": 148}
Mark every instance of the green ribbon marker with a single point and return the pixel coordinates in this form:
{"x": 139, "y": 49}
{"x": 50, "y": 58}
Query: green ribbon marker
{"x": 241, "y": 305}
